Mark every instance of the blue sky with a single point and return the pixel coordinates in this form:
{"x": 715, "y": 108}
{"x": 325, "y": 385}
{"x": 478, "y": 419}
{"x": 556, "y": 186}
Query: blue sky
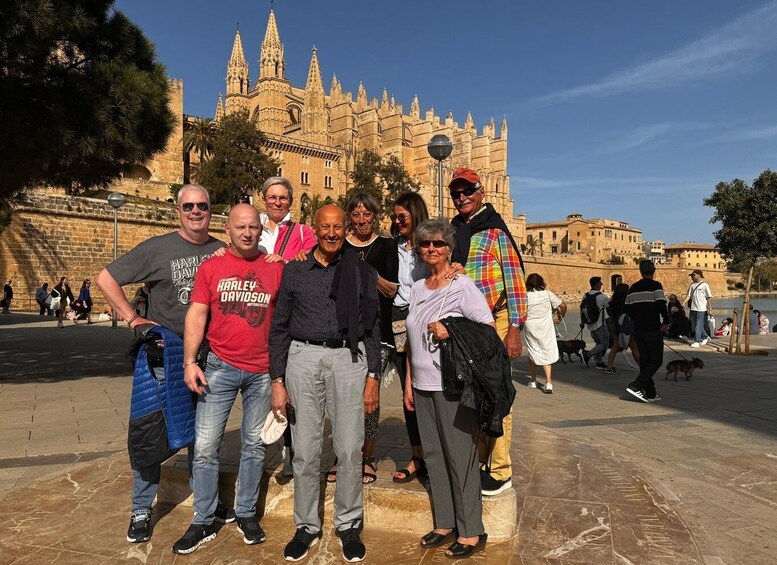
{"x": 624, "y": 110}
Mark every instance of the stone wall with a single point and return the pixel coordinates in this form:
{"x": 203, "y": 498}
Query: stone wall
{"x": 569, "y": 278}
{"x": 54, "y": 235}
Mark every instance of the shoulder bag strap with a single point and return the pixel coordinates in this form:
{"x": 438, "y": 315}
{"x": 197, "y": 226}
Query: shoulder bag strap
{"x": 286, "y": 238}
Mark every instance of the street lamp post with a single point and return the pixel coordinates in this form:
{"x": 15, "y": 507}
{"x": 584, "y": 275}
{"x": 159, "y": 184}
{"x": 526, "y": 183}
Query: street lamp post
{"x": 440, "y": 148}
{"x": 116, "y": 200}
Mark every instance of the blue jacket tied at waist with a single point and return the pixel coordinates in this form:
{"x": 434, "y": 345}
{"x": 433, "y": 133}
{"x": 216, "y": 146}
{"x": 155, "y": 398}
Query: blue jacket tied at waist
{"x": 162, "y": 408}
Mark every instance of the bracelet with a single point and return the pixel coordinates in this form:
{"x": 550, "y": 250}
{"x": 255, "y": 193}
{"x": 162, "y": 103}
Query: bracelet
{"x": 135, "y": 317}
{"x": 189, "y": 363}
{"x": 278, "y": 380}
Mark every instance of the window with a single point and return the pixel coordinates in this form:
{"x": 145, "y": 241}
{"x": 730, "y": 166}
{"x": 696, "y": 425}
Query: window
{"x": 578, "y": 234}
{"x": 327, "y": 181}
{"x": 578, "y": 246}
{"x": 328, "y": 163}
{"x": 593, "y": 232}
{"x": 540, "y": 235}
{"x": 554, "y": 248}
{"x": 554, "y": 235}
{"x": 303, "y": 177}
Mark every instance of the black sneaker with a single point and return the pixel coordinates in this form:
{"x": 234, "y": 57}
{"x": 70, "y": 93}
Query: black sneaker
{"x": 655, "y": 396}
{"x": 223, "y": 514}
{"x": 298, "y": 547}
{"x": 251, "y": 530}
{"x": 353, "y": 548}
{"x": 139, "y": 529}
{"x": 586, "y": 357}
{"x": 637, "y": 393}
{"x": 601, "y": 366}
{"x": 196, "y": 535}
{"x": 611, "y": 371}
{"x": 489, "y": 486}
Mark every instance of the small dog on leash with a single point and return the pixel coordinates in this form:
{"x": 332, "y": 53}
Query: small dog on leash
{"x": 570, "y": 347}
{"x": 684, "y": 366}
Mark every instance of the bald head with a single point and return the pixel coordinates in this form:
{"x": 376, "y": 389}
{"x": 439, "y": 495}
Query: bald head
{"x": 244, "y": 229}
{"x": 329, "y": 227}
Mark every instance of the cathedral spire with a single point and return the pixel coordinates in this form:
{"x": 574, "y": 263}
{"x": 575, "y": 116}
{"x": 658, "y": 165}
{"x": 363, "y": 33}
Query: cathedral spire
{"x": 219, "y": 108}
{"x": 237, "y": 69}
{"x": 361, "y": 98}
{"x": 504, "y": 128}
{"x": 314, "y": 116}
{"x": 271, "y": 62}
{"x": 469, "y": 123}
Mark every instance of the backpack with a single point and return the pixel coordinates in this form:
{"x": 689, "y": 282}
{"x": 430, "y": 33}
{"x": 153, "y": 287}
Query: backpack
{"x": 626, "y": 329}
{"x": 589, "y": 310}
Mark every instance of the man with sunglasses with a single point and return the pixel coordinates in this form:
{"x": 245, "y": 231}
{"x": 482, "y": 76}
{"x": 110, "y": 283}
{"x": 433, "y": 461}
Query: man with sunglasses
{"x": 490, "y": 256}
{"x": 168, "y": 263}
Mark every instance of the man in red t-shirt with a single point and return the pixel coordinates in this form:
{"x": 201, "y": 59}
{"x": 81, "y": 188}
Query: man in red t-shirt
{"x": 238, "y": 292}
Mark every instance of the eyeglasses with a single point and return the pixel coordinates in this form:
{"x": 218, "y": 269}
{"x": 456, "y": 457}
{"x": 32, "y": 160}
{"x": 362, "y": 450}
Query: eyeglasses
{"x": 438, "y": 243}
{"x": 189, "y": 206}
{"x": 356, "y": 216}
{"x": 281, "y": 199}
{"x": 401, "y": 218}
{"x": 469, "y": 191}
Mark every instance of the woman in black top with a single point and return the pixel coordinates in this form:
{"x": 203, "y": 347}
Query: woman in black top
{"x": 62, "y": 290}
{"x": 379, "y": 252}
{"x": 615, "y": 309}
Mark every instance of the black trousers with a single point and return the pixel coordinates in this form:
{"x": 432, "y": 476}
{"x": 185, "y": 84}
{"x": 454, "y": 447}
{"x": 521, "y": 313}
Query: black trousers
{"x": 650, "y": 345}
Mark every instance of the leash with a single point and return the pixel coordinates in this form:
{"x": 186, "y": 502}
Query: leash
{"x": 673, "y": 349}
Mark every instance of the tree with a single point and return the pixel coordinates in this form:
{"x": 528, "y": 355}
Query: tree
{"x": 237, "y": 167}
{"x": 748, "y": 230}
{"x": 309, "y": 207}
{"x": 198, "y": 137}
{"x": 82, "y": 94}
{"x": 532, "y": 244}
{"x": 385, "y": 178}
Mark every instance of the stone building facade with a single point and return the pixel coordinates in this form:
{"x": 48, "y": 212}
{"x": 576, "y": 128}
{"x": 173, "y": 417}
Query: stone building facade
{"x": 655, "y": 251}
{"x": 694, "y": 255}
{"x": 594, "y": 240}
{"x": 317, "y": 134}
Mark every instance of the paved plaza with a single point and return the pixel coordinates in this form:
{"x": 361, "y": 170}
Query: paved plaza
{"x": 598, "y": 478}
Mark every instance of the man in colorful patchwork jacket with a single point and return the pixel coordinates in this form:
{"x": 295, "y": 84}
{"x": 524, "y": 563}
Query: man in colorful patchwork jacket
{"x": 490, "y": 256}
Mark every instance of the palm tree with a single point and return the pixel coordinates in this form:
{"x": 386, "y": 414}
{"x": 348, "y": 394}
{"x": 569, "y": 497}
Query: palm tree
{"x": 309, "y": 207}
{"x": 532, "y": 243}
{"x": 198, "y": 137}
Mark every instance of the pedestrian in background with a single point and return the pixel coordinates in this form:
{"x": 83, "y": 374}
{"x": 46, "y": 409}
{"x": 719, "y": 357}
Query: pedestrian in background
{"x": 539, "y": 331}
{"x": 61, "y": 297}
{"x": 593, "y": 314}
{"x": 7, "y": 297}
{"x": 700, "y": 303}
{"x": 42, "y": 298}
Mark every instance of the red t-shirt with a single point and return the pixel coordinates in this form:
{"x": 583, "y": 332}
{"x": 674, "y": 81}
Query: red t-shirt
{"x": 241, "y": 295}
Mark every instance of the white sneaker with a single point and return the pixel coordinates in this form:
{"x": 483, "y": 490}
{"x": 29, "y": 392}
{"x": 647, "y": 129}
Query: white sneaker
{"x": 705, "y": 341}
{"x": 532, "y": 384}
{"x": 695, "y": 344}
{"x": 548, "y": 389}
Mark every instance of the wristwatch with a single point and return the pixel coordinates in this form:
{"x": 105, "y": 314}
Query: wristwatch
{"x": 373, "y": 376}
{"x": 518, "y": 327}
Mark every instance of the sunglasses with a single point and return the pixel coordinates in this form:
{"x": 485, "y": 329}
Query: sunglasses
{"x": 437, "y": 243}
{"x": 401, "y": 218}
{"x": 469, "y": 191}
{"x": 189, "y": 206}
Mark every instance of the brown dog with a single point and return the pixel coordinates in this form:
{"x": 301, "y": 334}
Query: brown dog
{"x": 570, "y": 347}
{"x": 685, "y": 366}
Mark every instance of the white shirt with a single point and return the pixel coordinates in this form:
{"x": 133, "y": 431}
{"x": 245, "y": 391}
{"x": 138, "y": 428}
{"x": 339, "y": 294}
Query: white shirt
{"x": 699, "y": 293}
{"x": 269, "y": 237}
{"x": 411, "y": 269}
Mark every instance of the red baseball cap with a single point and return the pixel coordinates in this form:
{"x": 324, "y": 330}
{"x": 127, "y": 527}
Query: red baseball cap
{"x": 463, "y": 173}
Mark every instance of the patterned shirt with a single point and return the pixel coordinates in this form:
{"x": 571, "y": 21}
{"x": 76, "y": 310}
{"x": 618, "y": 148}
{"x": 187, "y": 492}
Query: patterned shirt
{"x": 495, "y": 267}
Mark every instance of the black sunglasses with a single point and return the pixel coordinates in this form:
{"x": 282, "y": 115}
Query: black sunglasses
{"x": 438, "y": 243}
{"x": 469, "y": 191}
{"x": 189, "y": 206}
{"x": 401, "y": 218}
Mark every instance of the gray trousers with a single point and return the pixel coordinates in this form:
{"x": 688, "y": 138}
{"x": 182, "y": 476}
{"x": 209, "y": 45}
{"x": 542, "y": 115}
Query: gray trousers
{"x": 317, "y": 377}
{"x": 449, "y": 434}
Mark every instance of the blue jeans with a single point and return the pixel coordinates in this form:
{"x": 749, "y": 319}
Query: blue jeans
{"x": 697, "y": 322}
{"x": 146, "y": 481}
{"x": 213, "y": 407}
{"x": 601, "y": 337}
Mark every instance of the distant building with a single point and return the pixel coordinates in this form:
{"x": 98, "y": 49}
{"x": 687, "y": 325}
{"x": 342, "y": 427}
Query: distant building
{"x": 595, "y": 239}
{"x": 317, "y": 135}
{"x": 694, "y": 255}
{"x": 654, "y": 250}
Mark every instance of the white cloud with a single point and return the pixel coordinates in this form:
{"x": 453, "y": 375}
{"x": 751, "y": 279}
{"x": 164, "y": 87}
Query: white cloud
{"x": 731, "y": 48}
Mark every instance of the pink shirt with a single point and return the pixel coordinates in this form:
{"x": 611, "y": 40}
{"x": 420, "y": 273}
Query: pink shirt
{"x": 301, "y": 238}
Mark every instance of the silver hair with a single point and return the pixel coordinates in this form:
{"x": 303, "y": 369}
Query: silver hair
{"x": 188, "y": 187}
{"x": 283, "y": 181}
{"x": 365, "y": 199}
{"x": 435, "y": 228}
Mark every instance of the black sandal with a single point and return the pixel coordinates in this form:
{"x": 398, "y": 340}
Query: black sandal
{"x": 369, "y": 462}
{"x": 331, "y": 476}
{"x": 420, "y": 471}
{"x": 462, "y": 551}
{"x": 433, "y": 539}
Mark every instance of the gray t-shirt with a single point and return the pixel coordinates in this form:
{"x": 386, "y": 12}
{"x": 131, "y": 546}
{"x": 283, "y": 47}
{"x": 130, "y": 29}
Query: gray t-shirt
{"x": 168, "y": 264}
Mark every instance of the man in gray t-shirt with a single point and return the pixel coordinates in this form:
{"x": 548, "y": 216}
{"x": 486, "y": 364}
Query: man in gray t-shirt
{"x": 168, "y": 263}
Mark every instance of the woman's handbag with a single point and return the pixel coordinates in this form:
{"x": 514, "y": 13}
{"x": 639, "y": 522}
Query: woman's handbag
{"x": 55, "y": 302}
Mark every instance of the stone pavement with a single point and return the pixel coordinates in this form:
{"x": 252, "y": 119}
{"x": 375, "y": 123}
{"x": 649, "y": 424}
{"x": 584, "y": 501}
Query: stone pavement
{"x": 598, "y": 478}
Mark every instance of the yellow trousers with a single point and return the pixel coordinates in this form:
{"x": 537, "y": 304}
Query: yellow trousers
{"x": 496, "y": 451}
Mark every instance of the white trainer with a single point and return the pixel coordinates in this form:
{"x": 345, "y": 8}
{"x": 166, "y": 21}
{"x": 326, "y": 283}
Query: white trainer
{"x": 695, "y": 344}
